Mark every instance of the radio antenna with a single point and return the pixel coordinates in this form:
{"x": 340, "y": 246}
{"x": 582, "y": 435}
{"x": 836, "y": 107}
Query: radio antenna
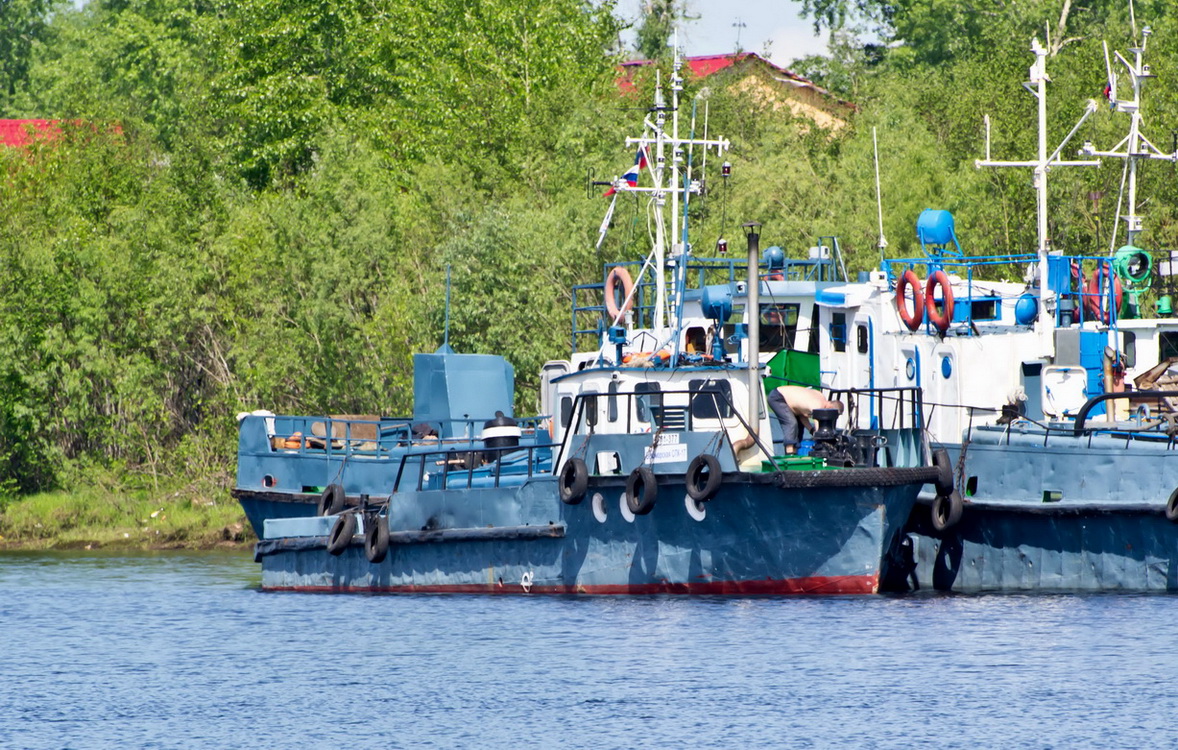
{"x": 883, "y": 241}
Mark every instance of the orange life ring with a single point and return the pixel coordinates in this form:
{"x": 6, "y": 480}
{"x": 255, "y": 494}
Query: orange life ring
{"x": 943, "y": 317}
{"x": 912, "y": 318}
{"x": 1095, "y": 299}
{"x": 618, "y": 274}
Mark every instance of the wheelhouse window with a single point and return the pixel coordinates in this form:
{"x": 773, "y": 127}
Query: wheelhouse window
{"x": 984, "y": 309}
{"x": 812, "y": 344}
{"x": 589, "y": 404}
{"x": 647, "y": 401}
{"x": 711, "y": 399}
{"x": 696, "y": 340}
{"x": 838, "y": 331}
{"x": 779, "y": 326}
{"x": 1167, "y": 345}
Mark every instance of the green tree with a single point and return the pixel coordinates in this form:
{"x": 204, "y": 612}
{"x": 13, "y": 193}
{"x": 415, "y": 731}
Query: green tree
{"x": 466, "y": 79}
{"x": 659, "y": 18}
{"x": 24, "y": 24}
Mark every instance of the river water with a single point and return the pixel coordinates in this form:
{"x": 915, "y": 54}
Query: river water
{"x": 178, "y": 650}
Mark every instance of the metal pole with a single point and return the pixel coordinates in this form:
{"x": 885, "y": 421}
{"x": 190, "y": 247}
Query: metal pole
{"x": 754, "y": 325}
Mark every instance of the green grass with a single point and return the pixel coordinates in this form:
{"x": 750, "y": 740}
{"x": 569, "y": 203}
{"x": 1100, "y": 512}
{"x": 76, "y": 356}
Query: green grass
{"x": 200, "y": 515}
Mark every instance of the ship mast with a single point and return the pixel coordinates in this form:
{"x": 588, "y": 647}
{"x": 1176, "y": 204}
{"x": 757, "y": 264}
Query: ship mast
{"x": 1037, "y": 85}
{"x": 1134, "y": 146}
{"x": 668, "y": 183}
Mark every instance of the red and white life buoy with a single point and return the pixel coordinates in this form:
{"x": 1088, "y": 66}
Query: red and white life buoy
{"x": 912, "y": 318}
{"x": 616, "y": 276}
{"x": 944, "y": 316}
{"x": 1096, "y": 299}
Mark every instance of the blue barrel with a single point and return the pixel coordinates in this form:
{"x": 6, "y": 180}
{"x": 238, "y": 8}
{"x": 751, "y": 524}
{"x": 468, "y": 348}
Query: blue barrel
{"x": 935, "y": 227}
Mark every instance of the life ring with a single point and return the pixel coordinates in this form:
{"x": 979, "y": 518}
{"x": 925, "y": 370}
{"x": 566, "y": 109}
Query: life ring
{"x": 618, "y": 274}
{"x": 703, "y": 477}
{"x": 912, "y": 318}
{"x": 332, "y": 500}
{"x": 947, "y": 510}
{"x": 944, "y": 480}
{"x": 1172, "y": 507}
{"x": 642, "y": 490}
{"x": 1095, "y": 299}
{"x": 376, "y": 538}
{"x": 341, "y": 534}
{"x": 574, "y": 481}
{"x": 943, "y": 317}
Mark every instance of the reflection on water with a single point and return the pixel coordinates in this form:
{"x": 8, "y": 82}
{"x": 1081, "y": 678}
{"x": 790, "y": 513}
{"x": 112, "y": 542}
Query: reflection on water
{"x": 181, "y": 650}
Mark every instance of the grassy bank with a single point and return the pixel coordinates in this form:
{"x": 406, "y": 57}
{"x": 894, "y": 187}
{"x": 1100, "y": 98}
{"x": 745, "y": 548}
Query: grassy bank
{"x": 199, "y": 515}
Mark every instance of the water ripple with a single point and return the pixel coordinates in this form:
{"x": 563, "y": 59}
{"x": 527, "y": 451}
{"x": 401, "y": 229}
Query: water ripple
{"x": 183, "y": 651}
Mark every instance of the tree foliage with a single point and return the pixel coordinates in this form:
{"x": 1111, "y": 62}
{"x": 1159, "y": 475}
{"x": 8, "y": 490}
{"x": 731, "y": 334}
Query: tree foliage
{"x": 23, "y": 25}
{"x": 252, "y": 204}
{"x": 655, "y": 28}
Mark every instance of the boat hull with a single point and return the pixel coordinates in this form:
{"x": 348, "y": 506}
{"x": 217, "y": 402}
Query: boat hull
{"x": 1055, "y": 513}
{"x": 754, "y": 537}
{"x": 260, "y": 506}
{"x": 1049, "y": 550}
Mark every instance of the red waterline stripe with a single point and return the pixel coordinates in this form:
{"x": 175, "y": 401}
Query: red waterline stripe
{"x": 865, "y": 584}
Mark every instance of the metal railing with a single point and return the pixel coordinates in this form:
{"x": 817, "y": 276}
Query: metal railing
{"x": 473, "y": 463}
{"x": 347, "y": 436}
{"x": 1064, "y": 277}
{"x": 588, "y": 300}
{"x": 907, "y": 404}
{"x": 906, "y": 411}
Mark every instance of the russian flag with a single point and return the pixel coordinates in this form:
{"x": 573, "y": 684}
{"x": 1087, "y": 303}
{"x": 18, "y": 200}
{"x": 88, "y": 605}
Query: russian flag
{"x": 631, "y": 175}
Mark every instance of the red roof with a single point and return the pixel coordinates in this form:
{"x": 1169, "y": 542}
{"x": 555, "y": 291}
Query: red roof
{"x": 702, "y": 66}
{"x": 707, "y": 64}
{"x": 24, "y": 132}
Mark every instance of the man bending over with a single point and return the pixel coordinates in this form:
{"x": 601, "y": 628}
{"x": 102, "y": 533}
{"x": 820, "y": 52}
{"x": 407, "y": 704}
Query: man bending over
{"x": 793, "y": 402}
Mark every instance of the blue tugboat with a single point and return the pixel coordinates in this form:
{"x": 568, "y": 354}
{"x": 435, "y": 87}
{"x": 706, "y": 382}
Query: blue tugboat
{"x": 1056, "y": 403}
{"x": 657, "y": 473}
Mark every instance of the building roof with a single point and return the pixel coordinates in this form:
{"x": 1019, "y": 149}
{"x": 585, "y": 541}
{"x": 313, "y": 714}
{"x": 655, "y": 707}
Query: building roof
{"x": 23, "y": 132}
{"x": 702, "y": 66}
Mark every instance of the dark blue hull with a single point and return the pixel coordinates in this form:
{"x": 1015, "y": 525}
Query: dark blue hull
{"x": 1006, "y": 549}
{"x": 754, "y": 537}
{"x": 1056, "y": 513}
{"x": 259, "y": 507}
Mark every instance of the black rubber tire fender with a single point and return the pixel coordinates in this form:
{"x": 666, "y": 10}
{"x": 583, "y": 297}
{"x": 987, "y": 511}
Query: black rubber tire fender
{"x": 1172, "y": 507}
{"x": 574, "y": 481}
{"x": 703, "y": 477}
{"x": 341, "y": 534}
{"x": 376, "y": 538}
{"x": 947, "y": 510}
{"x": 642, "y": 490}
{"x": 332, "y": 500}
{"x": 944, "y": 481}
